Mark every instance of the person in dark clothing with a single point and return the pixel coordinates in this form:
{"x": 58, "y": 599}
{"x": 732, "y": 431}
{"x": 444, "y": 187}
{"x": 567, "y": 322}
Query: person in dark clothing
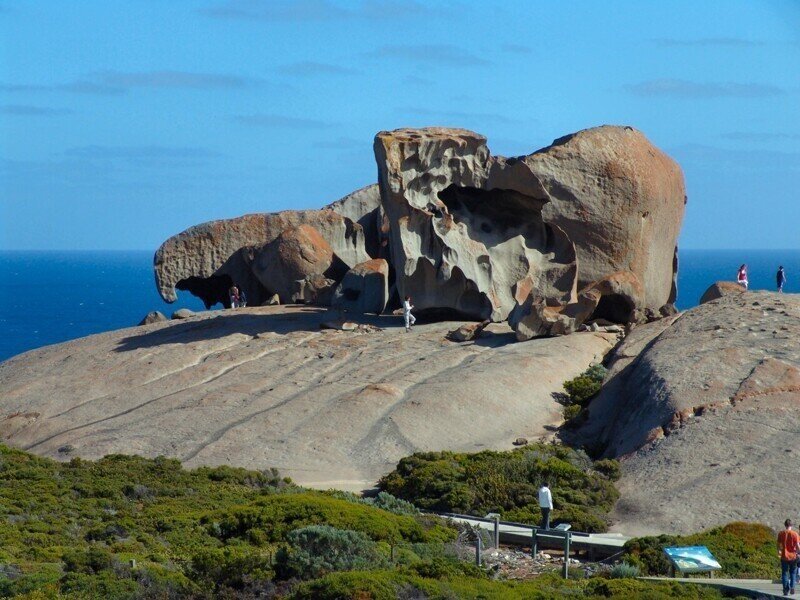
{"x": 780, "y": 279}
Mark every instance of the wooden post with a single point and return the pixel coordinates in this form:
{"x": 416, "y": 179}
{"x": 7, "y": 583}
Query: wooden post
{"x": 496, "y": 519}
{"x": 567, "y": 536}
{"x": 478, "y": 550}
{"x": 534, "y": 549}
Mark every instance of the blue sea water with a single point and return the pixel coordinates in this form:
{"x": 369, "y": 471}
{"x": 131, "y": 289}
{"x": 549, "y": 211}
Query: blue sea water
{"x": 51, "y": 297}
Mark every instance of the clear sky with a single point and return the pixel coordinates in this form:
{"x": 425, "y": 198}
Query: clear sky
{"x": 122, "y": 123}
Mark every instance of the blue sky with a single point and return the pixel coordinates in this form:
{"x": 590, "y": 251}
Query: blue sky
{"x": 122, "y": 123}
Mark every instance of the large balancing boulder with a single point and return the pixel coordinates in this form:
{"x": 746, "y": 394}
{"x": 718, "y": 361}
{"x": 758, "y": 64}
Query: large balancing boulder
{"x": 365, "y": 288}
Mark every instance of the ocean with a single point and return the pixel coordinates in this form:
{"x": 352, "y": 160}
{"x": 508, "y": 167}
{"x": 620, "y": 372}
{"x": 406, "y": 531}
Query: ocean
{"x": 51, "y": 297}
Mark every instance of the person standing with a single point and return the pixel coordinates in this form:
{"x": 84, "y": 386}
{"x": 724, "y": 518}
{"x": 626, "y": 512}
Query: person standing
{"x": 242, "y": 299}
{"x": 741, "y": 276}
{"x": 407, "y": 316}
{"x": 233, "y": 293}
{"x": 545, "y": 504}
{"x": 788, "y": 545}
{"x": 781, "y": 279}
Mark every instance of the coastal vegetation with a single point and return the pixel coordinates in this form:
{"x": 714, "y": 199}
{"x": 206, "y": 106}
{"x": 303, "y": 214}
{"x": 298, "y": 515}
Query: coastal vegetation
{"x": 582, "y": 389}
{"x": 508, "y": 483}
{"x": 126, "y": 527}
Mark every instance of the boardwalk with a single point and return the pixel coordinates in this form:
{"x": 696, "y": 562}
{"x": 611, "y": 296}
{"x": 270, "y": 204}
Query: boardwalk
{"x": 753, "y": 588}
{"x": 599, "y": 544}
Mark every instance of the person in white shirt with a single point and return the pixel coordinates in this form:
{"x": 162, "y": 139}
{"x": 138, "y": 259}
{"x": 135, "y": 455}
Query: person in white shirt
{"x": 407, "y": 316}
{"x": 546, "y": 504}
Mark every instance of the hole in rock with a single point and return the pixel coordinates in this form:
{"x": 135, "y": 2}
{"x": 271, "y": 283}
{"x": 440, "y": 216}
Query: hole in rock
{"x": 209, "y": 289}
{"x": 615, "y": 308}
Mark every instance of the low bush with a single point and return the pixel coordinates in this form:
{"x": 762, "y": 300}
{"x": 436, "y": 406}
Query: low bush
{"x": 507, "y": 483}
{"x": 585, "y": 386}
{"x": 743, "y": 550}
{"x": 624, "y": 570}
{"x": 319, "y": 549}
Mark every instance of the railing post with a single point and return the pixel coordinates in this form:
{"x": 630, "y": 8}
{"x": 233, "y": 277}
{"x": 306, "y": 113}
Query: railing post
{"x": 496, "y": 531}
{"x": 534, "y": 549}
{"x": 567, "y": 536}
{"x": 478, "y": 549}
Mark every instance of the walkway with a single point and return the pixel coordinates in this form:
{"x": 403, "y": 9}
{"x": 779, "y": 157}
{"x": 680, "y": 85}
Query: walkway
{"x": 599, "y": 544}
{"x": 754, "y": 588}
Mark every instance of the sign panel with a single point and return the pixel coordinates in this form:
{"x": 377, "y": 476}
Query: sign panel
{"x": 692, "y": 559}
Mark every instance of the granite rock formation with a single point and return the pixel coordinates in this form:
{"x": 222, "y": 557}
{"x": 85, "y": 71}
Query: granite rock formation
{"x": 467, "y": 229}
{"x": 264, "y": 387}
{"x": 207, "y": 259}
{"x": 364, "y": 289}
{"x": 703, "y": 410}
{"x": 718, "y": 289}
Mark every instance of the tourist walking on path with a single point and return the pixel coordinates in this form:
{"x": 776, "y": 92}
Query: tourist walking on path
{"x": 781, "y": 279}
{"x": 546, "y": 504}
{"x": 407, "y": 316}
{"x": 741, "y": 276}
{"x": 788, "y": 545}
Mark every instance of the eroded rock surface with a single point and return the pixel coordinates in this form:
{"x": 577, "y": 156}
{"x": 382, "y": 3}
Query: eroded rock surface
{"x": 266, "y": 387}
{"x": 207, "y": 259}
{"x": 706, "y": 413}
{"x": 467, "y": 229}
{"x": 364, "y": 289}
{"x": 718, "y": 289}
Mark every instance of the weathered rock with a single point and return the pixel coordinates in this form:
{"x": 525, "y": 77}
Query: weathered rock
{"x": 719, "y": 289}
{"x": 703, "y": 411}
{"x": 264, "y": 387}
{"x": 364, "y": 207}
{"x": 457, "y": 240}
{"x": 467, "y": 228}
{"x": 467, "y": 332}
{"x": 364, "y": 289}
{"x": 153, "y": 317}
{"x": 313, "y": 289}
{"x": 207, "y": 259}
{"x": 273, "y": 300}
{"x": 298, "y": 254}
{"x": 183, "y": 313}
{"x": 521, "y": 441}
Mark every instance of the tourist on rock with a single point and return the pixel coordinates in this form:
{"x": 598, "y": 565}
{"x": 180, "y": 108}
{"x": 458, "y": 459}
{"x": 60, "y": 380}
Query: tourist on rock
{"x": 781, "y": 279}
{"x": 242, "y": 299}
{"x": 546, "y": 504}
{"x": 741, "y": 276}
{"x": 788, "y": 546}
{"x": 407, "y": 316}
{"x": 233, "y": 293}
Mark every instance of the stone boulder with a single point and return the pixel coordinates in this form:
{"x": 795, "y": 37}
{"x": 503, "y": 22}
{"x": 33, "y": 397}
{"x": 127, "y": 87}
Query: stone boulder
{"x": 719, "y": 289}
{"x": 183, "y": 313}
{"x": 364, "y": 289}
{"x": 467, "y": 332}
{"x": 468, "y": 228}
{"x": 207, "y": 259}
{"x": 153, "y": 317}
{"x": 297, "y": 255}
{"x": 703, "y": 410}
{"x": 313, "y": 289}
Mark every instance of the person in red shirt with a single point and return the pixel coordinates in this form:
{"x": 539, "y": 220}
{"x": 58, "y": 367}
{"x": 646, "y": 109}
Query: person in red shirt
{"x": 788, "y": 546}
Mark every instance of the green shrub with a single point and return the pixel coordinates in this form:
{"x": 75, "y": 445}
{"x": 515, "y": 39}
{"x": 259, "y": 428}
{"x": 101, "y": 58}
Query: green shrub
{"x": 319, "y": 549}
{"x": 507, "y": 482}
{"x": 232, "y": 567}
{"x": 585, "y": 386}
{"x": 571, "y": 411}
{"x": 743, "y": 550}
{"x": 624, "y": 570}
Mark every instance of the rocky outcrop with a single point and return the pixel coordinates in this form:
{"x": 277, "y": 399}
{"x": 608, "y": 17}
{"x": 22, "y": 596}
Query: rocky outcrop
{"x": 364, "y": 289}
{"x": 153, "y": 317}
{"x": 704, "y": 410}
{"x": 456, "y": 240}
{"x": 295, "y": 261}
{"x": 183, "y": 313}
{"x": 207, "y": 259}
{"x": 264, "y": 387}
{"x": 467, "y": 228}
{"x": 719, "y": 289}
